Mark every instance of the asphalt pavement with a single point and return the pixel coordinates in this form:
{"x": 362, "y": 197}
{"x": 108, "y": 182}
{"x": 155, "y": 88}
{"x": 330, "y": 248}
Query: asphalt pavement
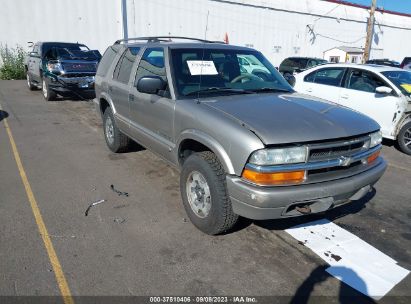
{"x": 144, "y": 244}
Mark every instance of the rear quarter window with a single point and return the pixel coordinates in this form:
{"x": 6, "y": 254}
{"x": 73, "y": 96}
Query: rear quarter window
{"x": 327, "y": 76}
{"x": 107, "y": 60}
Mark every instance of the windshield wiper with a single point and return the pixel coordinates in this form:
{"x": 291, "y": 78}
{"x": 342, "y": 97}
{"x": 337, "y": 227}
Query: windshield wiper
{"x": 268, "y": 90}
{"x": 216, "y": 89}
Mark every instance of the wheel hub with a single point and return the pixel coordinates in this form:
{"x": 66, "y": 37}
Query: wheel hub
{"x": 109, "y": 130}
{"x": 407, "y": 137}
{"x": 44, "y": 89}
{"x": 198, "y": 194}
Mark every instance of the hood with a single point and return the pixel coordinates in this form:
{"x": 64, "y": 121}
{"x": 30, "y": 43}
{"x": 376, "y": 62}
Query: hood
{"x": 292, "y": 117}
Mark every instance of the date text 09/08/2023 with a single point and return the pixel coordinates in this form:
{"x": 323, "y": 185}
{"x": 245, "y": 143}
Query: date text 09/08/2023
{"x": 203, "y": 299}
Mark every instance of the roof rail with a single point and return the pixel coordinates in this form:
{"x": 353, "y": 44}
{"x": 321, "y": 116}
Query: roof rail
{"x": 164, "y": 39}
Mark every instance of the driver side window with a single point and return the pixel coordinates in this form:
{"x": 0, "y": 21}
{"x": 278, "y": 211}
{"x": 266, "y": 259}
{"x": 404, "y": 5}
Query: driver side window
{"x": 365, "y": 81}
{"x": 152, "y": 64}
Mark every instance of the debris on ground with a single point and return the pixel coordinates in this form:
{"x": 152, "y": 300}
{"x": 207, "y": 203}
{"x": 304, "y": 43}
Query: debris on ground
{"x": 120, "y": 193}
{"x": 119, "y": 220}
{"x": 93, "y": 204}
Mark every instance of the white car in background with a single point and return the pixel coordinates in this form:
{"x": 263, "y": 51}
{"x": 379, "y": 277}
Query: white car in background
{"x": 250, "y": 64}
{"x": 381, "y": 92}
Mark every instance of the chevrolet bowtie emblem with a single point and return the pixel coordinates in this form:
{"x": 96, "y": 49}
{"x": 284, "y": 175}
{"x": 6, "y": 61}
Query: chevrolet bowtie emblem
{"x": 345, "y": 161}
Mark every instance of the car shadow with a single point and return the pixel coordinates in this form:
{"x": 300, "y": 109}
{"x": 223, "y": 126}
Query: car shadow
{"x": 3, "y": 115}
{"x": 135, "y": 147}
{"x": 346, "y": 295}
{"x": 285, "y": 223}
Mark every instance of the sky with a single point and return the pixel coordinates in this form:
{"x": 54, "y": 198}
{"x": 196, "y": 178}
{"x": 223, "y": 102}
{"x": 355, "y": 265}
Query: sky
{"x": 402, "y": 6}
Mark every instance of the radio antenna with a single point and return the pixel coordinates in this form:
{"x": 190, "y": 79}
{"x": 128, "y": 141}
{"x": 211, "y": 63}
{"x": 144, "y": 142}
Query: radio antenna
{"x": 206, "y": 28}
{"x": 202, "y": 59}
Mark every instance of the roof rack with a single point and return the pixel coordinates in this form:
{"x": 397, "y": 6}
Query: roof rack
{"x": 164, "y": 39}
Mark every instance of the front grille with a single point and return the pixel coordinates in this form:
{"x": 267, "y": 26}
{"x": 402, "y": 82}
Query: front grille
{"x": 80, "y": 67}
{"x": 327, "y": 151}
{"x": 334, "y": 150}
{"x": 73, "y": 75}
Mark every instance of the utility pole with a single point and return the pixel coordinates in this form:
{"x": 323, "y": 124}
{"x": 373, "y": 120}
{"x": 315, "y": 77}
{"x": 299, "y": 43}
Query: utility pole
{"x": 370, "y": 31}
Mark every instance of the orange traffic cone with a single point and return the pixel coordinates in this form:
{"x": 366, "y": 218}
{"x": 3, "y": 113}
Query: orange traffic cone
{"x": 226, "y": 38}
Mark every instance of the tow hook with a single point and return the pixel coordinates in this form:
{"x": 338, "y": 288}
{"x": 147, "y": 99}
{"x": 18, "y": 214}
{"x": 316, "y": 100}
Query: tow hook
{"x": 304, "y": 209}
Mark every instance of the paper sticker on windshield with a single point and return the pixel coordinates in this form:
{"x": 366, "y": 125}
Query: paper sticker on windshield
{"x": 200, "y": 67}
{"x": 406, "y": 87}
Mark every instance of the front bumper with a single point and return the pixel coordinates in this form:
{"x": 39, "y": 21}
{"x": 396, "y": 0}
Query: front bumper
{"x": 72, "y": 85}
{"x": 260, "y": 203}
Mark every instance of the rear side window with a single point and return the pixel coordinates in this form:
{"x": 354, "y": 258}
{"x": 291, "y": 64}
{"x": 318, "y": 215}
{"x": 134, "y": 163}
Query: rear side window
{"x": 365, "y": 81}
{"x": 330, "y": 76}
{"x": 125, "y": 64}
{"x": 152, "y": 64}
{"x": 106, "y": 61}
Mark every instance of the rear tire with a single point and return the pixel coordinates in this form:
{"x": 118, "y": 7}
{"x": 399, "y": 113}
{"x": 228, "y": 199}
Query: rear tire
{"x": 204, "y": 193}
{"x": 404, "y": 138}
{"x": 48, "y": 94}
{"x": 116, "y": 141}
{"x": 29, "y": 83}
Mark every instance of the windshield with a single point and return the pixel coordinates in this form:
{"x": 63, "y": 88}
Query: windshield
{"x": 401, "y": 79}
{"x": 72, "y": 52}
{"x": 224, "y": 71}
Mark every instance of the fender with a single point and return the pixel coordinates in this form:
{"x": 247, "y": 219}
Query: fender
{"x": 211, "y": 143}
{"x": 405, "y": 119}
{"x": 107, "y": 97}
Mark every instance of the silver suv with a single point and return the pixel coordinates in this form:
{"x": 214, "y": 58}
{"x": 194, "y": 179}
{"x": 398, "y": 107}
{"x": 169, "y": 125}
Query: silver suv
{"x": 246, "y": 143}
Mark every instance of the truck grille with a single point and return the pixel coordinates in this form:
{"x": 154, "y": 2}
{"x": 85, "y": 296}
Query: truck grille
{"x": 80, "y": 67}
{"x": 327, "y": 151}
{"x": 334, "y": 150}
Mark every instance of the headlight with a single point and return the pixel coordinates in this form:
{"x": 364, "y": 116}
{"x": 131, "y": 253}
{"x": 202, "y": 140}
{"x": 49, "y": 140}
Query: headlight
{"x": 375, "y": 139}
{"x": 54, "y": 67}
{"x": 279, "y": 156}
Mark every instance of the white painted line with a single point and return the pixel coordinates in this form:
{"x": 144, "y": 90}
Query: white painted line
{"x": 353, "y": 261}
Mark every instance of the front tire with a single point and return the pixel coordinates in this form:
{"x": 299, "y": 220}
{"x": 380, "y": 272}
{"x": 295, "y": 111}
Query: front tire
{"x": 116, "y": 141}
{"x": 48, "y": 94}
{"x": 204, "y": 193}
{"x": 404, "y": 138}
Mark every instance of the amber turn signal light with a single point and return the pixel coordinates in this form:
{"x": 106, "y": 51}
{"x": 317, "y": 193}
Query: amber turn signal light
{"x": 274, "y": 178}
{"x": 373, "y": 157}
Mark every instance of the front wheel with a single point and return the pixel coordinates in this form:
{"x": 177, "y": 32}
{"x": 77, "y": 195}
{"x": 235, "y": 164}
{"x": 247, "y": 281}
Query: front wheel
{"x": 404, "y": 138}
{"x": 48, "y": 94}
{"x": 204, "y": 193}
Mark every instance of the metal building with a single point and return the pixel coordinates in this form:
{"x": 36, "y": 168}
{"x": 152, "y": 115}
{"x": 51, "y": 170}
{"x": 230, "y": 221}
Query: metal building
{"x": 278, "y": 28}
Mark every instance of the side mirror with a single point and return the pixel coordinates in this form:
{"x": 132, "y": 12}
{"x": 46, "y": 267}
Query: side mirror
{"x": 34, "y": 54}
{"x": 290, "y": 79}
{"x": 151, "y": 84}
{"x": 383, "y": 90}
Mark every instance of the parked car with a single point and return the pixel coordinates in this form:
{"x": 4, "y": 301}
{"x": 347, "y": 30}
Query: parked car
{"x": 381, "y": 92}
{"x": 295, "y": 65}
{"x": 245, "y": 145}
{"x": 406, "y": 63}
{"x": 386, "y": 62}
{"x": 249, "y": 65}
{"x": 61, "y": 68}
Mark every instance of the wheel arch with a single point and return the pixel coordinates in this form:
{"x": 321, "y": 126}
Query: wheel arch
{"x": 192, "y": 141}
{"x": 105, "y": 102}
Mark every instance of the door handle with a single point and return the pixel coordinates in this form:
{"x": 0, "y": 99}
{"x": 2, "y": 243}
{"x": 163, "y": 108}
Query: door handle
{"x": 344, "y": 96}
{"x": 130, "y": 97}
{"x": 309, "y": 90}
